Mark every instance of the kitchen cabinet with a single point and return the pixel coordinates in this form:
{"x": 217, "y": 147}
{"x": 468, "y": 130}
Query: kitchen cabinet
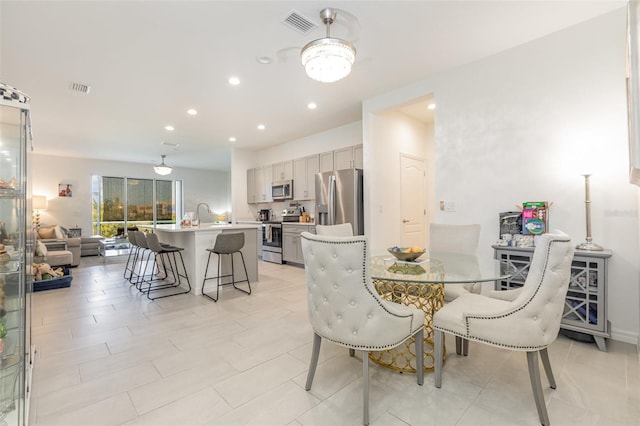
{"x": 282, "y": 171}
{"x": 16, "y": 257}
{"x": 348, "y": 158}
{"x": 585, "y": 307}
{"x": 326, "y": 161}
{"x": 251, "y": 185}
{"x": 291, "y": 245}
{"x": 259, "y": 185}
{"x": 304, "y": 174}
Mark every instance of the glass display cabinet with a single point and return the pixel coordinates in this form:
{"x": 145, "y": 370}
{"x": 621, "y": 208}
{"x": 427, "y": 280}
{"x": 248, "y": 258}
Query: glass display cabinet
{"x": 15, "y": 257}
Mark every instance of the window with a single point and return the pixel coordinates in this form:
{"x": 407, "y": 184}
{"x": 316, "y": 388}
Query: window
{"x": 121, "y": 204}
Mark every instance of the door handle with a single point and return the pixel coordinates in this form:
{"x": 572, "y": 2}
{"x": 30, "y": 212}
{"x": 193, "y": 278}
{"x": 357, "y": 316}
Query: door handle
{"x": 405, "y": 220}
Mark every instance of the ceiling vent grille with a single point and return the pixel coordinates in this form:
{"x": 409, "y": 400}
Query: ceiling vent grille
{"x": 299, "y": 22}
{"x": 81, "y": 88}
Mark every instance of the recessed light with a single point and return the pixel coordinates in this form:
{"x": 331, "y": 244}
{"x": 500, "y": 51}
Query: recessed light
{"x": 192, "y": 111}
{"x": 431, "y": 106}
{"x": 312, "y": 105}
{"x": 264, "y": 60}
{"x": 232, "y": 139}
{"x": 234, "y": 81}
{"x": 261, "y": 127}
{"x": 169, "y": 128}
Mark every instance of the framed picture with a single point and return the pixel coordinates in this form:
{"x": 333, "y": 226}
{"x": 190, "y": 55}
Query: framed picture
{"x": 64, "y": 190}
{"x": 633, "y": 89}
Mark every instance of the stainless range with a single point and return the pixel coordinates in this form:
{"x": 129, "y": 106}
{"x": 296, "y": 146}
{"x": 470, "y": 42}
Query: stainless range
{"x": 272, "y": 241}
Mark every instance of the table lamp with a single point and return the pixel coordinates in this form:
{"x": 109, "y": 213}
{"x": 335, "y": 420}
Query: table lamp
{"x": 39, "y": 202}
{"x": 588, "y": 245}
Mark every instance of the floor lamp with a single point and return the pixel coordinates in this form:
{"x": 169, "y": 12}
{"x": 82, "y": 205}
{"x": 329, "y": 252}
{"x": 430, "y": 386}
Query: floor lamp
{"x": 39, "y": 202}
{"x": 588, "y": 245}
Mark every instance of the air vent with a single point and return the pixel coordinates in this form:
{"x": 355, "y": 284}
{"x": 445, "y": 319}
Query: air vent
{"x": 299, "y": 22}
{"x": 79, "y": 87}
{"x": 175, "y": 146}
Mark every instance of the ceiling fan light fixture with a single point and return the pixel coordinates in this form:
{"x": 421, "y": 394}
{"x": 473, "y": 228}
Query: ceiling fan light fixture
{"x": 328, "y": 59}
{"x": 162, "y": 169}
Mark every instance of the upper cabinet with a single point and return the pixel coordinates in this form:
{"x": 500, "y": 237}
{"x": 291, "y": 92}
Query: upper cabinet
{"x": 283, "y": 170}
{"x": 259, "y": 185}
{"x": 326, "y": 161}
{"x": 348, "y": 158}
{"x": 251, "y": 191}
{"x": 304, "y": 172}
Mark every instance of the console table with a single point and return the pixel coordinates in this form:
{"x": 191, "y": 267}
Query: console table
{"x": 585, "y": 308}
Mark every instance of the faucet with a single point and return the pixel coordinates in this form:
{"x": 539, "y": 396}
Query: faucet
{"x": 198, "y": 211}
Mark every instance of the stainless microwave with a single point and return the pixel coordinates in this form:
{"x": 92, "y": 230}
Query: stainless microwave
{"x": 282, "y": 190}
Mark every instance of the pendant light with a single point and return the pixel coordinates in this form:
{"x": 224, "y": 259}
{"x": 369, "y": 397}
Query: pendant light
{"x": 328, "y": 59}
{"x": 162, "y": 169}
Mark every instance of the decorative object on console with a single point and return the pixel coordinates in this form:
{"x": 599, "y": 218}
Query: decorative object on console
{"x": 39, "y": 203}
{"x": 588, "y": 244}
{"x": 162, "y": 169}
{"x": 328, "y": 59}
{"x": 535, "y": 216}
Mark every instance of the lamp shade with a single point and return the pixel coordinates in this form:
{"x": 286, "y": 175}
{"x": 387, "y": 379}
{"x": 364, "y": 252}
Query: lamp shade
{"x": 162, "y": 169}
{"x": 39, "y": 202}
{"x": 328, "y": 59}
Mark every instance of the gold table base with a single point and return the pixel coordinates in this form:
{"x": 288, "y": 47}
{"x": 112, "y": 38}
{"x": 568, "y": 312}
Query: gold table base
{"x": 426, "y": 297}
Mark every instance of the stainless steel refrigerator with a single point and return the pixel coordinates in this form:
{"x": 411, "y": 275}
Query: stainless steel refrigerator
{"x": 339, "y": 199}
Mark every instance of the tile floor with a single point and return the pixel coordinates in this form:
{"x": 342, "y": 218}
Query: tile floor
{"x": 108, "y": 356}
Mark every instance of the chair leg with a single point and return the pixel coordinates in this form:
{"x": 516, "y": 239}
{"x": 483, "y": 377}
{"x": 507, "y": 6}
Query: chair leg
{"x": 315, "y": 352}
{"x": 438, "y": 338}
{"x": 419, "y": 343}
{"x": 352, "y": 352}
{"x": 465, "y": 347}
{"x": 458, "y": 345}
{"x": 365, "y": 387}
{"x": 536, "y": 386}
{"x": 544, "y": 356}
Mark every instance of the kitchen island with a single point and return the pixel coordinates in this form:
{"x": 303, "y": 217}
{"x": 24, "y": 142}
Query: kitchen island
{"x": 196, "y": 241}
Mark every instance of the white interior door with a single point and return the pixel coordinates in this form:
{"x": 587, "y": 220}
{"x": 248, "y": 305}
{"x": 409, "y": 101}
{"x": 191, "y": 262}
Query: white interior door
{"x": 413, "y": 188}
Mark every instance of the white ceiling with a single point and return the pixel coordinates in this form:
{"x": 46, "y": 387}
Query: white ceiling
{"x": 147, "y": 62}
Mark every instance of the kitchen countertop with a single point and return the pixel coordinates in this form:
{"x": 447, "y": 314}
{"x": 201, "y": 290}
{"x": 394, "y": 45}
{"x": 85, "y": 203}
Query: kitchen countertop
{"x": 202, "y": 228}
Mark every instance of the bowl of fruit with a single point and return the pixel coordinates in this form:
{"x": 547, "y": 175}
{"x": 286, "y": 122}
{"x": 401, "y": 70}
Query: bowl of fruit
{"x": 407, "y": 254}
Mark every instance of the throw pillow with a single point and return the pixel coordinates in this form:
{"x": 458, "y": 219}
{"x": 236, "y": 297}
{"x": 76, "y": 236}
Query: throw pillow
{"x": 59, "y": 234}
{"x": 65, "y": 231}
{"x": 47, "y": 233}
{"x": 41, "y": 249}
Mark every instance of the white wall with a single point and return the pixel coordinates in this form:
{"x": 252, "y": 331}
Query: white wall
{"x": 49, "y": 171}
{"x": 394, "y": 133}
{"x": 339, "y": 137}
{"x": 522, "y": 126}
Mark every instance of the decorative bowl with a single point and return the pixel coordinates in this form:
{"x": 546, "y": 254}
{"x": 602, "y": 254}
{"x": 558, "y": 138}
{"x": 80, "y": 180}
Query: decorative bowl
{"x": 403, "y": 253}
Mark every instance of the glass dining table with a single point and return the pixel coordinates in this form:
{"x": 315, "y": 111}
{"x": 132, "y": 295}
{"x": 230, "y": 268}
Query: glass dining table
{"x": 421, "y": 284}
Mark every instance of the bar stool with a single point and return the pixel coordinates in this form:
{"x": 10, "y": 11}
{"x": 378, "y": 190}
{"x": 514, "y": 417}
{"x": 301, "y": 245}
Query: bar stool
{"x": 226, "y": 243}
{"x": 129, "y": 267}
{"x": 141, "y": 260}
{"x": 165, "y": 257}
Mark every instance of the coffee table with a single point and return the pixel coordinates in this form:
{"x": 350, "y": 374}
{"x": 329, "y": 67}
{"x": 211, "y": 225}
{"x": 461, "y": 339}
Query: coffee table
{"x": 116, "y": 246}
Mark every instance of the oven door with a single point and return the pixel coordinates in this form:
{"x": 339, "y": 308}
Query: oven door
{"x": 272, "y": 243}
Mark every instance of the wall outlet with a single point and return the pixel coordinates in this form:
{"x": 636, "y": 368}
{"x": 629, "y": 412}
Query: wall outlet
{"x": 449, "y": 206}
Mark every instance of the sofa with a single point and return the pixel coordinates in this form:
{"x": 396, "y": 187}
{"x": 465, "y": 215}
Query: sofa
{"x": 55, "y": 240}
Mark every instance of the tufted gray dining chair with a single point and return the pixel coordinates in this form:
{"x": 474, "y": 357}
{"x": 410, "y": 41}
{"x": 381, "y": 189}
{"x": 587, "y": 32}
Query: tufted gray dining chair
{"x": 345, "y": 309}
{"x": 526, "y": 319}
